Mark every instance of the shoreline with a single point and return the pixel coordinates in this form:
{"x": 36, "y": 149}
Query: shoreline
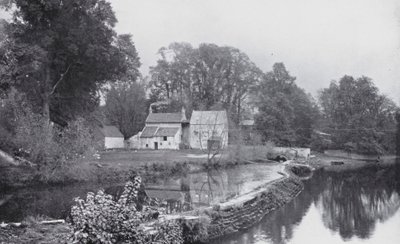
{"x": 322, "y": 161}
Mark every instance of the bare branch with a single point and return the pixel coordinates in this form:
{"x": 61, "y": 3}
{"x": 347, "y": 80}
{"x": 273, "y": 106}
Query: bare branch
{"x": 59, "y": 80}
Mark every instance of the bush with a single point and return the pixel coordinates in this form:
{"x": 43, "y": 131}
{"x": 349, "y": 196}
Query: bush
{"x": 27, "y": 134}
{"x": 102, "y": 219}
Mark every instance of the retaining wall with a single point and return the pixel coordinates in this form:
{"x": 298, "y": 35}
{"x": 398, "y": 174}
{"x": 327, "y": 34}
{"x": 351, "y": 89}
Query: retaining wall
{"x": 241, "y": 214}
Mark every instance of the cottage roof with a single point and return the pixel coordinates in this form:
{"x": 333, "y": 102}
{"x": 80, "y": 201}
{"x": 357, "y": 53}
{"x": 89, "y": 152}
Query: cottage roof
{"x": 165, "y": 131}
{"x": 208, "y": 118}
{"x": 148, "y": 131}
{"x": 165, "y": 118}
{"x": 111, "y": 131}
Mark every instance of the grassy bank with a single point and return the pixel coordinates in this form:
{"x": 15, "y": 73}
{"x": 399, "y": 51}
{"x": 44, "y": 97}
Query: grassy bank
{"x": 115, "y": 166}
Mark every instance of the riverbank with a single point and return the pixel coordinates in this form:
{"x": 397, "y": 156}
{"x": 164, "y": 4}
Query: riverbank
{"x": 334, "y": 163}
{"x": 116, "y": 165}
{"x": 107, "y": 167}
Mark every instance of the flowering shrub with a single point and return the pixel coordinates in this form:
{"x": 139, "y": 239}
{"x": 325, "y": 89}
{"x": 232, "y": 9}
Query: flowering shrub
{"x": 102, "y": 219}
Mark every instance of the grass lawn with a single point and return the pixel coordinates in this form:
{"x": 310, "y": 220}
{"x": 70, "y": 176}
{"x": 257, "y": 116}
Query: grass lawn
{"x": 141, "y": 157}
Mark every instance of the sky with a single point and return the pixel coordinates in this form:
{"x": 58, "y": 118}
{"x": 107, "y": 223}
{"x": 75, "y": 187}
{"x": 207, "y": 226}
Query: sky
{"x": 317, "y": 40}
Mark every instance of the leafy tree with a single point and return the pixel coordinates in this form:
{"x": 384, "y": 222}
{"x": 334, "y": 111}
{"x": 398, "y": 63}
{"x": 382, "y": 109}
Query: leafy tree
{"x": 60, "y": 52}
{"x": 286, "y": 113}
{"x": 126, "y": 107}
{"x": 358, "y": 116}
{"x": 203, "y": 77}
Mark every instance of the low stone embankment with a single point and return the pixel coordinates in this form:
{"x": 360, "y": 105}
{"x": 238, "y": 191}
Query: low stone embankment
{"x": 243, "y": 211}
{"x": 247, "y": 210}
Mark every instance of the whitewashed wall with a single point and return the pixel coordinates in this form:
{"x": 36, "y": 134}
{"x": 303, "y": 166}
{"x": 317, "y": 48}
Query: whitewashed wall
{"x": 113, "y": 142}
{"x": 199, "y": 135}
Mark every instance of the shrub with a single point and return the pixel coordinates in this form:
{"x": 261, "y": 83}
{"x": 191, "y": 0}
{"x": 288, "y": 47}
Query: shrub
{"x": 26, "y": 133}
{"x": 102, "y": 219}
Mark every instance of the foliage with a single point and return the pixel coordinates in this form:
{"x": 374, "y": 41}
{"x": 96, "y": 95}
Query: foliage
{"x": 60, "y": 52}
{"x": 203, "y": 77}
{"x": 286, "y": 113}
{"x": 21, "y": 129}
{"x": 126, "y": 107}
{"x": 102, "y": 219}
{"x": 358, "y": 116}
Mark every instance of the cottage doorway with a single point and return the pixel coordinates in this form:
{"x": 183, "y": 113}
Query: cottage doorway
{"x": 156, "y": 145}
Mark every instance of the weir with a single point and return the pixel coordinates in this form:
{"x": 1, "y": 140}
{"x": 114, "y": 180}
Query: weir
{"x": 243, "y": 211}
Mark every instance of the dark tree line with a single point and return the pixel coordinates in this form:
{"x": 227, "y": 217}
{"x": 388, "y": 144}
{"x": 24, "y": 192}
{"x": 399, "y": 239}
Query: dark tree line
{"x": 358, "y": 117}
{"x": 352, "y": 111}
{"x": 286, "y": 114}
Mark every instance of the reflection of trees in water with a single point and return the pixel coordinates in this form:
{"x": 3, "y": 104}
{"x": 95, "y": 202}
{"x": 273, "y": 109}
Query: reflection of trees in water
{"x": 208, "y": 187}
{"x": 277, "y": 226}
{"x": 352, "y": 202}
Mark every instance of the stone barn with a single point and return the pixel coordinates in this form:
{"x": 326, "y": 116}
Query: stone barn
{"x": 164, "y": 131}
{"x": 208, "y": 130}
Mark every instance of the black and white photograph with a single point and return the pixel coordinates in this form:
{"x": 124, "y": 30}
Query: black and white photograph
{"x": 199, "y": 121}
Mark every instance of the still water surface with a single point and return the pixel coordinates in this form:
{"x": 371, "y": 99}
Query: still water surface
{"x": 335, "y": 207}
{"x": 352, "y": 207}
{"x": 180, "y": 193}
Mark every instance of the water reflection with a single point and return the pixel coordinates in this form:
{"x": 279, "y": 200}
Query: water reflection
{"x": 350, "y": 204}
{"x": 179, "y": 194}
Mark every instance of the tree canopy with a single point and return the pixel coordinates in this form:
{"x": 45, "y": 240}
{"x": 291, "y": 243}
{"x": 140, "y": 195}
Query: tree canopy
{"x": 126, "y": 107}
{"x": 358, "y": 116}
{"x": 60, "y": 52}
{"x": 286, "y": 114}
{"x": 203, "y": 77}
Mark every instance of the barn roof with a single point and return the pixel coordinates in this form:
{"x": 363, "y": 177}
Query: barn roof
{"x": 152, "y": 131}
{"x": 165, "y": 118}
{"x": 208, "y": 118}
{"x": 111, "y": 131}
{"x": 165, "y": 131}
{"x": 148, "y": 131}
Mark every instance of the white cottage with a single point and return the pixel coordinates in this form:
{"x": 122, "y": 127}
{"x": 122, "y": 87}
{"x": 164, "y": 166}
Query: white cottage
{"x": 208, "y": 129}
{"x": 112, "y": 137}
{"x": 163, "y": 131}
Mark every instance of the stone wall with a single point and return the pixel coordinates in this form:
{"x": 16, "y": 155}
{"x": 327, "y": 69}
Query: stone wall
{"x": 239, "y": 215}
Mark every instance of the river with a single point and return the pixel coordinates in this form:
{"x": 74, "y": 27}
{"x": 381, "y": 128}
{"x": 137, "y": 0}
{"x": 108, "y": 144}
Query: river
{"x": 335, "y": 207}
{"x": 180, "y": 193}
{"x": 353, "y": 207}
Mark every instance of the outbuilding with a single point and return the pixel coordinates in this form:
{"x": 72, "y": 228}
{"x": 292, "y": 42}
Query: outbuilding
{"x": 209, "y": 130}
{"x": 112, "y": 137}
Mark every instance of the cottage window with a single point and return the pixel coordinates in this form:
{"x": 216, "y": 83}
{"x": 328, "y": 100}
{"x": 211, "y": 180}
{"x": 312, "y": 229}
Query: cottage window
{"x": 165, "y": 138}
{"x": 147, "y": 145}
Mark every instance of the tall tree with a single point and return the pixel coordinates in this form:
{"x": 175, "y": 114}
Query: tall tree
{"x": 358, "y": 116}
{"x": 126, "y": 107}
{"x": 60, "y": 52}
{"x": 204, "y": 77}
{"x": 286, "y": 113}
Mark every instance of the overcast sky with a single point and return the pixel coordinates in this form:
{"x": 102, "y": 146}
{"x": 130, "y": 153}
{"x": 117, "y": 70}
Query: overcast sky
{"x": 318, "y": 40}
